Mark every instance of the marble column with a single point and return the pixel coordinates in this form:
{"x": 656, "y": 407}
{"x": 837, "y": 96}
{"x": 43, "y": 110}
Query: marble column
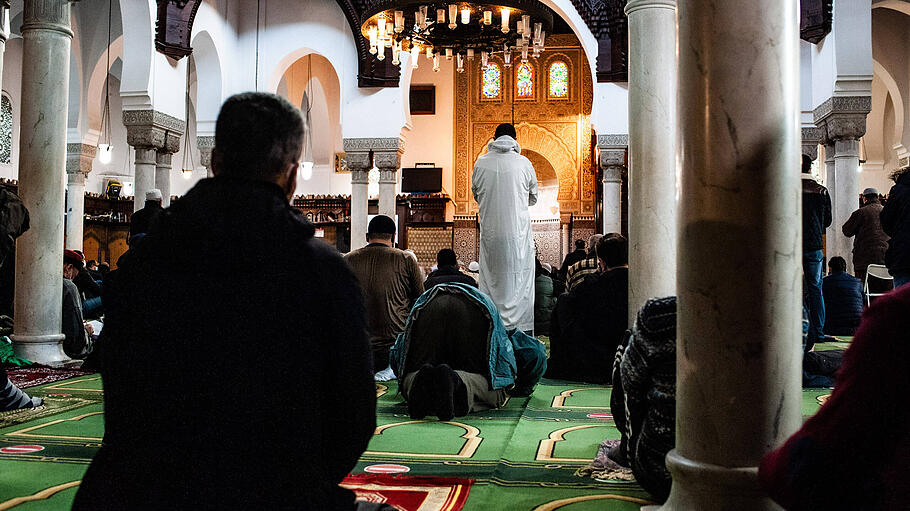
{"x": 360, "y": 181}
{"x": 827, "y": 172}
{"x": 145, "y": 175}
{"x": 652, "y": 150}
{"x": 163, "y": 176}
{"x": 842, "y": 120}
{"x": 78, "y": 165}
{"x": 205, "y": 144}
{"x": 387, "y": 158}
{"x": 46, "y": 44}
{"x": 739, "y": 261}
{"x": 151, "y": 132}
{"x": 388, "y": 178}
{"x": 612, "y": 163}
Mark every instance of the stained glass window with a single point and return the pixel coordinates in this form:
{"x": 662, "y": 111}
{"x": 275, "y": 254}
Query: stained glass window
{"x": 524, "y": 81}
{"x": 559, "y": 80}
{"x": 6, "y": 129}
{"x": 492, "y": 81}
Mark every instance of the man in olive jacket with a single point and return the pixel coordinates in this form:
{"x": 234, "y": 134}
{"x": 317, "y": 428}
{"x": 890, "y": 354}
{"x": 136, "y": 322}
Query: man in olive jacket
{"x": 871, "y": 242}
{"x": 235, "y": 363}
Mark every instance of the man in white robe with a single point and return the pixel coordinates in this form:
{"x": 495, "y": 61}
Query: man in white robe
{"x": 504, "y": 185}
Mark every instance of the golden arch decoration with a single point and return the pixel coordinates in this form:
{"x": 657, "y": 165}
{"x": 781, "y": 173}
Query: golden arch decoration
{"x": 27, "y": 431}
{"x": 560, "y": 400}
{"x": 66, "y": 385}
{"x": 472, "y": 441}
{"x": 556, "y": 504}
{"x": 41, "y": 495}
{"x": 545, "y": 450}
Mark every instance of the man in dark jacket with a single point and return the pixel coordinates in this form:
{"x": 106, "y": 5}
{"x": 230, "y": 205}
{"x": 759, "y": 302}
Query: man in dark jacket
{"x": 895, "y": 218}
{"x": 447, "y": 271}
{"x": 226, "y": 324}
{"x": 571, "y": 258}
{"x": 589, "y": 321}
{"x": 14, "y": 221}
{"x": 843, "y": 299}
{"x": 871, "y": 242}
{"x": 144, "y": 219}
{"x": 816, "y": 218}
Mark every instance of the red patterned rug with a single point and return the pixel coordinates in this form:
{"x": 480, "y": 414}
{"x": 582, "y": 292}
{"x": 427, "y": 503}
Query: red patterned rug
{"x": 32, "y": 376}
{"x": 410, "y": 493}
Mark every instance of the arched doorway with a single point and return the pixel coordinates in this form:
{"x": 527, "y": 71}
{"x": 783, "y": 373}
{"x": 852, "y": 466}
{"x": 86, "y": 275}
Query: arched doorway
{"x": 547, "y": 206}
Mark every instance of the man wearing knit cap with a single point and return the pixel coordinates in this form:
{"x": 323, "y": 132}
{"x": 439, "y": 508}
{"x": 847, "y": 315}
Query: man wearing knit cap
{"x": 391, "y": 282}
{"x": 871, "y": 242}
{"x": 77, "y": 338}
{"x": 143, "y": 220}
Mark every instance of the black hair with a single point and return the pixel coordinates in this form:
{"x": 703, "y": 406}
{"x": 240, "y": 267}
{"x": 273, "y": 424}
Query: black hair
{"x": 446, "y": 257}
{"x": 256, "y": 136}
{"x": 807, "y": 164}
{"x": 613, "y": 250}
{"x": 580, "y": 244}
{"x": 505, "y": 129}
{"x": 837, "y": 263}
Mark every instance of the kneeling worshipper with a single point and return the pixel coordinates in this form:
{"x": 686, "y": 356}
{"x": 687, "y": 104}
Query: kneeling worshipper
{"x": 77, "y": 337}
{"x": 588, "y": 322}
{"x": 455, "y": 357}
{"x": 854, "y": 453}
{"x": 643, "y": 402}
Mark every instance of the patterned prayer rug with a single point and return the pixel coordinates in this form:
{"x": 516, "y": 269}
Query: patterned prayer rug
{"x": 410, "y": 493}
{"x": 25, "y": 377}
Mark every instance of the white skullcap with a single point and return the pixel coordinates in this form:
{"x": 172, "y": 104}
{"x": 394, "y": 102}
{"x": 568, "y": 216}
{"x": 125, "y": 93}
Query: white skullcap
{"x": 153, "y": 194}
{"x": 474, "y": 266}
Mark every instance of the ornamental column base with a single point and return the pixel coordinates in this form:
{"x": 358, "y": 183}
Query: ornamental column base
{"x": 46, "y": 349}
{"x": 707, "y": 487}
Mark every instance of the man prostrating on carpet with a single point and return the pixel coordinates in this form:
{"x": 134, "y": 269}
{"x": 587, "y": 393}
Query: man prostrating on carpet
{"x": 236, "y": 366}
{"x": 455, "y": 356}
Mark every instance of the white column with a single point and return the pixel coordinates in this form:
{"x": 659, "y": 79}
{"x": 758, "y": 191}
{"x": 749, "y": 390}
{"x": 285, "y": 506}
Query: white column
{"x": 4, "y": 35}
{"x": 46, "y": 44}
{"x": 738, "y": 326}
{"x": 145, "y": 175}
{"x": 75, "y": 209}
{"x": 612, "y": 207}
{"x": 844, "y": 199}
{"x": 652, "y": 150}
{"x": 359, "y": 182}
{"x": 163, "y": 176}
{"x": 388, "y": 178}
{"x": 206, "y": 143}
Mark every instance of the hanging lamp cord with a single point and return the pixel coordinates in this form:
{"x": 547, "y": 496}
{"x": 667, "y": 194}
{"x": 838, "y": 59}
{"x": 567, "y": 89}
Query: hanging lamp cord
{"x": 258, "y": 7}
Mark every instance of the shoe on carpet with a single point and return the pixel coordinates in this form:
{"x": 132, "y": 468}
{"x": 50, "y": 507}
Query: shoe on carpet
{"x": 421, "y": 394}
{"x": 452, "y": 397}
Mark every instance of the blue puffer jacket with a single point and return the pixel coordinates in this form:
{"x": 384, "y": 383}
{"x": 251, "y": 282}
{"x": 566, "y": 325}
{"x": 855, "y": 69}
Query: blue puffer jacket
{"x": 516, "y": 359}
{"x": 843, "y": 303}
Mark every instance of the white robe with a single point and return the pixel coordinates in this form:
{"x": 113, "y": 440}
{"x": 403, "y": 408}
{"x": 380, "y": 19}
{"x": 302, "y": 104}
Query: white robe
{"x": 504, "y": 185}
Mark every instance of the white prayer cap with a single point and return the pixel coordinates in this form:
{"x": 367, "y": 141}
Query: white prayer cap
{"x": 153, "y": 194}
{"x": 548, "y": 267}
{"x": 474, "y": 266}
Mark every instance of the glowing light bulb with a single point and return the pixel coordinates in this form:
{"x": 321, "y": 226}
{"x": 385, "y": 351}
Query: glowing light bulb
{"x": 440, "y": 16}
{"x": 435, "y": 63}
{"x": 399, "y": 21}
{"x": 487, "y": 17}
{"x": 306, "y": 170}
{"x": 453, "y": 16}
{"x": 465, "y": 16}
{"x": 415, "y": 53}
{"x": 105, "y": 152}
{"x": 505, "y": 20}
{"x": 448, "y": 53}
{"x": 187, "y": 173}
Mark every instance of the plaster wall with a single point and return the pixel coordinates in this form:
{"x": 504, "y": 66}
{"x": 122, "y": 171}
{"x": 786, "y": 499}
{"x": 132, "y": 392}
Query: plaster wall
{"x": 431, "y": 137}
{"x": 610, "y": 111}
{"x": 842, "y": 62}
{"x": 891, "y": 49}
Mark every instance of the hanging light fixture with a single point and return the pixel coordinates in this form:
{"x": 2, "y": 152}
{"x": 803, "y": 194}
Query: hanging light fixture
{"x": 187, "y": 165}
{"x": 105, "y": 148}
{"x": 306, "y": 163}
{"x": 459, "y": 29}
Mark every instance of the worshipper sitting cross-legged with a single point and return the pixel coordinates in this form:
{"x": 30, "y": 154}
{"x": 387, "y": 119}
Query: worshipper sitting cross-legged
{"x": 455, "y": 357}
{"x": 853, "y": 453}
{"x": 11, "y": 398}
{"x": 579, "y": 271}
{"x": 588, "y": 322}
{"x": 643, "y": 400}
{"x": 390, "y": 280}
{"x": 447, "y": 271}
{"x": 236, "y": 363}
{"x": 77, "y": 336}
{"x": 843, "y": 299}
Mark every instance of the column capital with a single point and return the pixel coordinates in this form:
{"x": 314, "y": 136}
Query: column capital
{"x": 151, "y": 128}
{"x": 163, "y": 158}
{"x": 842, "y": 117}
{"x": 47, "y": 15}
{"x": 358, "y": 161}
{"x": 388, "y": 175}
{"x": 612, "y": 175}
{"x": 612, "y": 156}
{"x": 811, "y": 136}
{"x": 205, "y": 144}
{"x": 360, "y": 177}
{"x": 637, "y": 5}
{"x": 387, "y": 162}
{"x": 79, "y": 158}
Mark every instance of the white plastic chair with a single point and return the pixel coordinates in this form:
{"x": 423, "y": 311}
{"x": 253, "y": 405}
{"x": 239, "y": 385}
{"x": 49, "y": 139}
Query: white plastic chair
{"x": 879, "y": 271}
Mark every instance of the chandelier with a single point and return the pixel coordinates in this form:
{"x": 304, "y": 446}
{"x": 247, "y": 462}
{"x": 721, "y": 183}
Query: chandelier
{"x": 459, "y": 30}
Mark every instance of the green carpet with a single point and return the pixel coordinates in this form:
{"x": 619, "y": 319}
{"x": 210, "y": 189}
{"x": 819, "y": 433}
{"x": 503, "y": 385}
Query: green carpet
{"x": 525, "y": 453}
